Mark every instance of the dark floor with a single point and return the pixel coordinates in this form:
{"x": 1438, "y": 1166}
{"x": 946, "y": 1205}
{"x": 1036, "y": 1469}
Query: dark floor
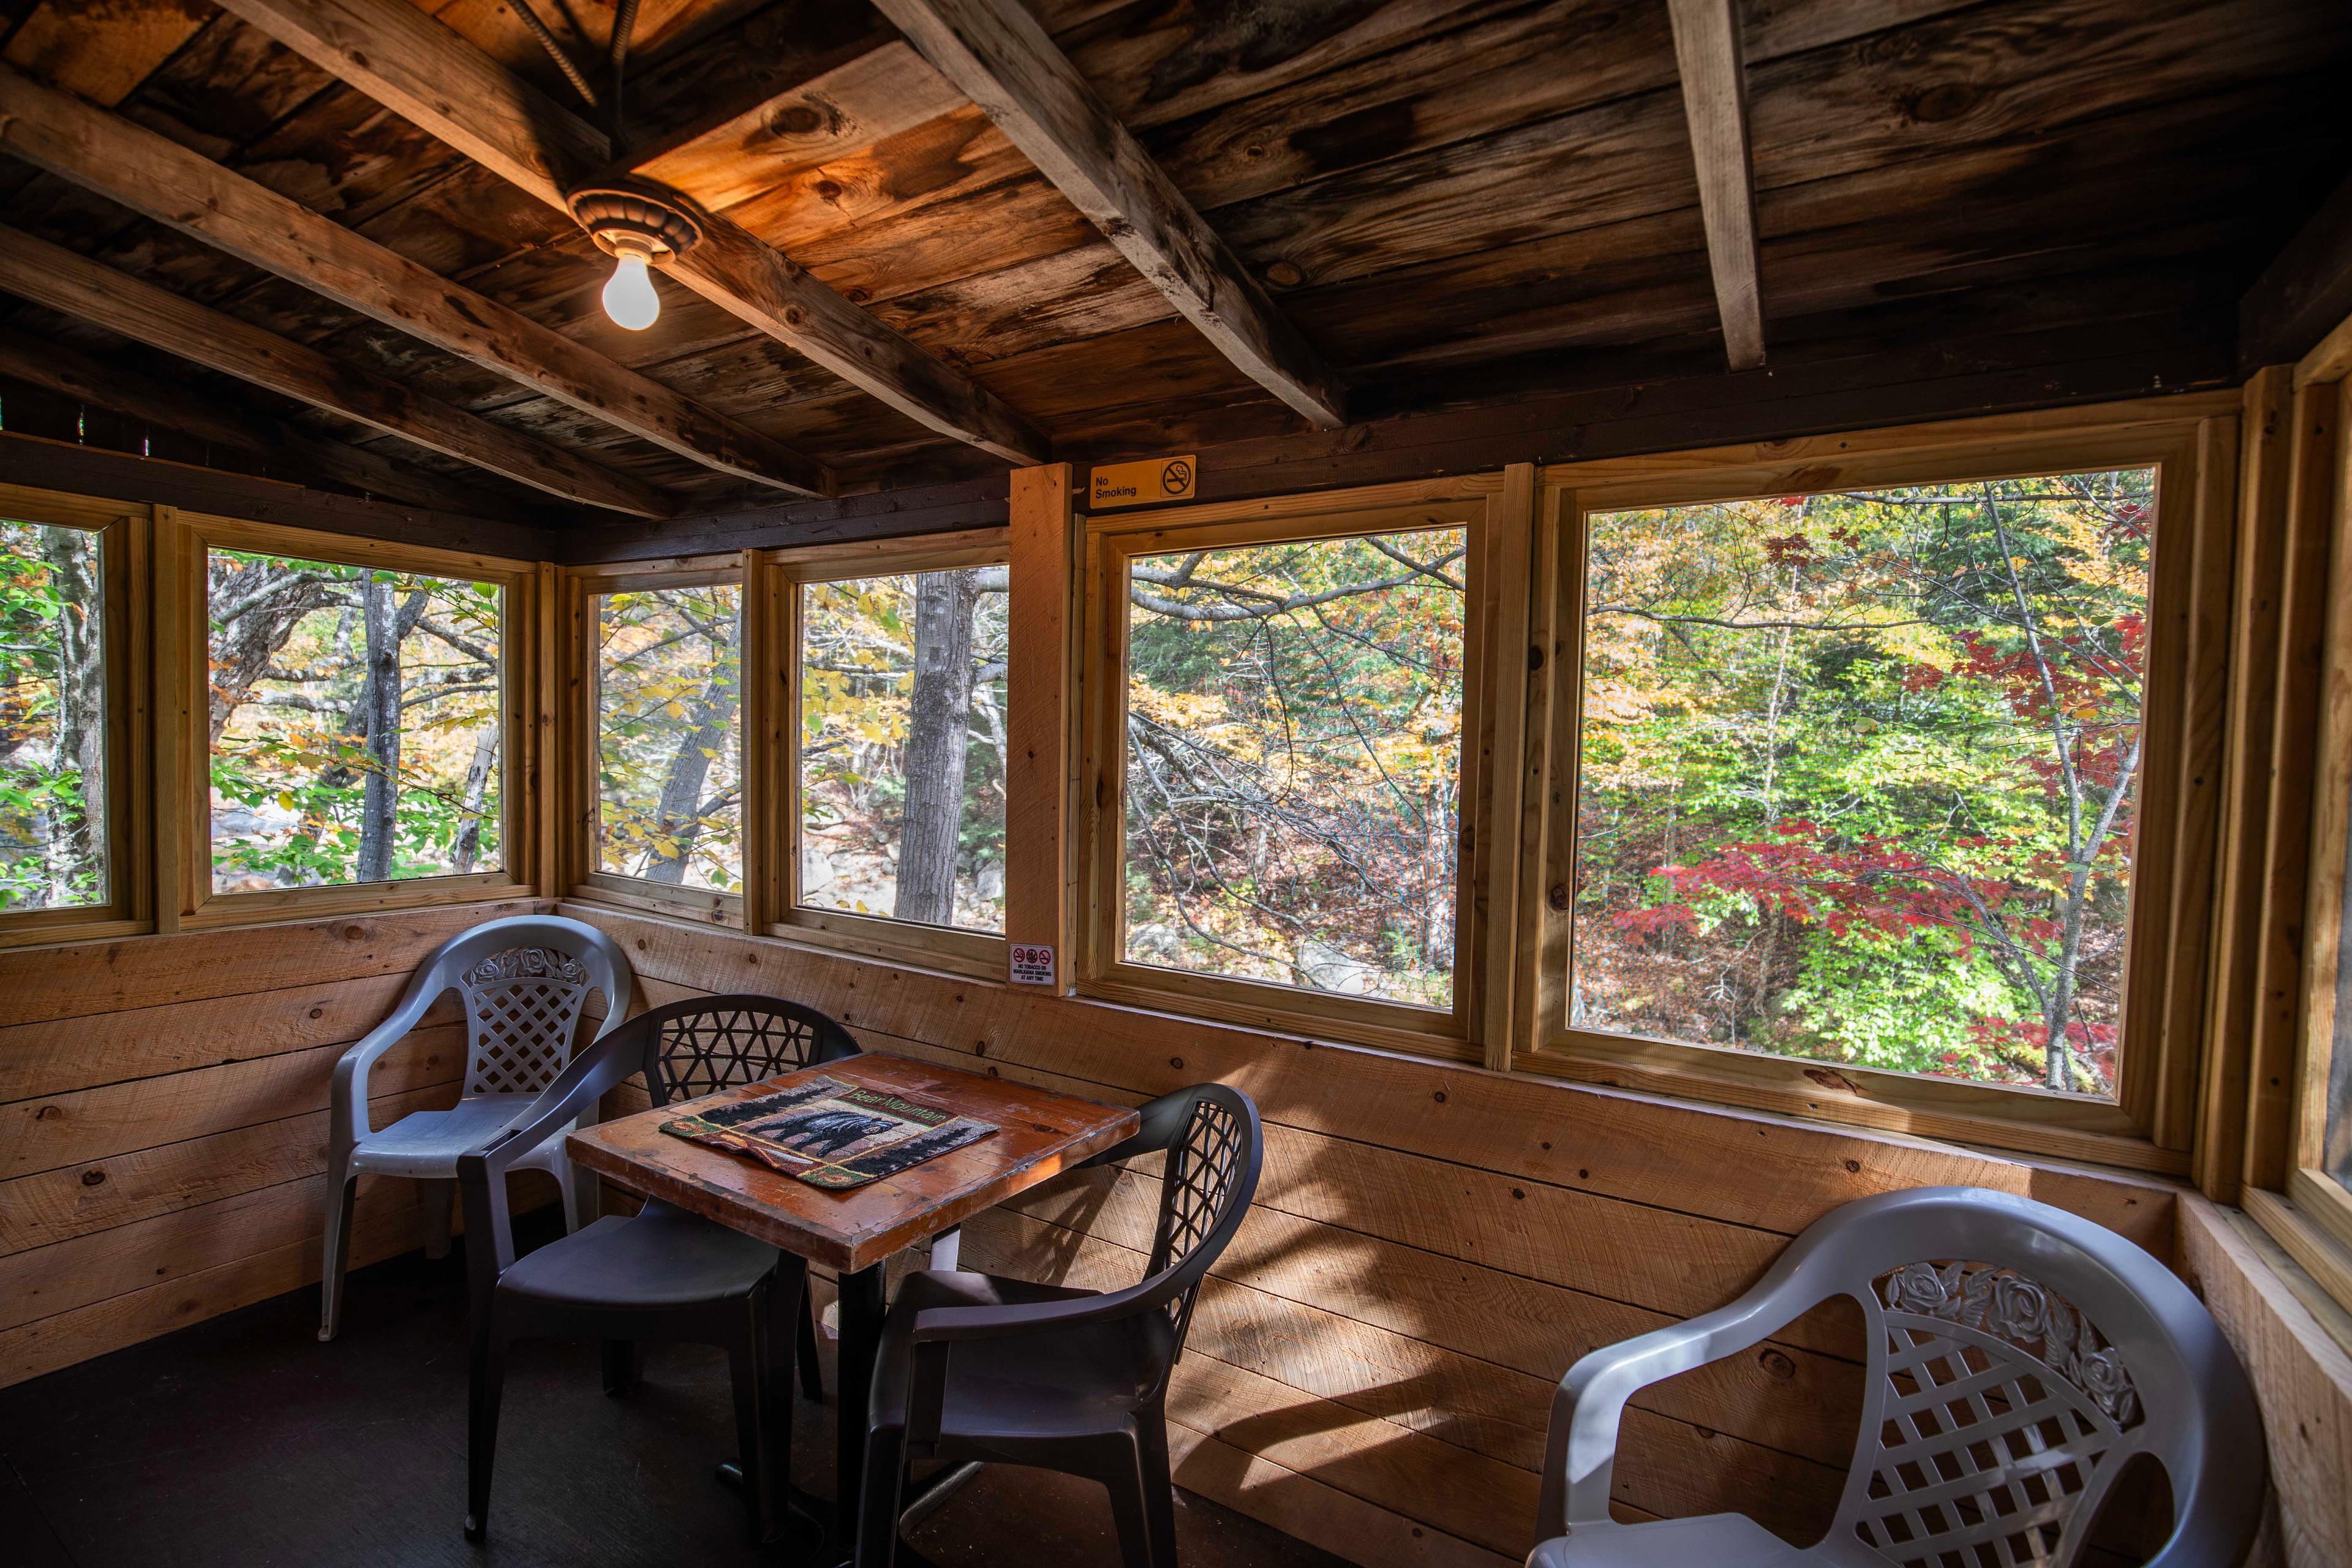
{"x": 244, "y": 1441}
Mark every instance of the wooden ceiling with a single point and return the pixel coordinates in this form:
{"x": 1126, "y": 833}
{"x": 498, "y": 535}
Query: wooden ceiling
{"x": 1323, "y": 208}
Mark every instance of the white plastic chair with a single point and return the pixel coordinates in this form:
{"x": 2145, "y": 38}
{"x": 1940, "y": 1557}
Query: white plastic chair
{"x": 523, "y": 983}
{"x": 2019, "y": 1358}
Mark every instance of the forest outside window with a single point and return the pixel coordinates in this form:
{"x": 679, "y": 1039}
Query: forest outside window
{"x": 1860, "y": 794}
{"x": 1287, "y": 725}
{"x": 669, "y": 733}
{"x": 358, "y": 717}
{"x": 899, "y": 750}
{"x": 56, "y": 829}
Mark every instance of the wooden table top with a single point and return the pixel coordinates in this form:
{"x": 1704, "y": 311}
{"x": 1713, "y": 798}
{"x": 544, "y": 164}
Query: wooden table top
{"x": 1039, "y": 1134}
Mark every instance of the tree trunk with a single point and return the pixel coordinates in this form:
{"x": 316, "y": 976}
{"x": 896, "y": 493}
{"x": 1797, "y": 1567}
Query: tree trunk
{"x": 939, "y": 729}
{"x": 379, "y": 701}
{"x": 79, "y": 830}
{"x": 681, "y": 816}
{"x": 477, "y": 785}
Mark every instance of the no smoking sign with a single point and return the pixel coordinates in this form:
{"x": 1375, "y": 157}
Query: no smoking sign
{"x": 1032, "y": 966}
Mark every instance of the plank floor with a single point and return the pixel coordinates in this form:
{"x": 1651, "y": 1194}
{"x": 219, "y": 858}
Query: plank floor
{"x": 243, "y": 1441}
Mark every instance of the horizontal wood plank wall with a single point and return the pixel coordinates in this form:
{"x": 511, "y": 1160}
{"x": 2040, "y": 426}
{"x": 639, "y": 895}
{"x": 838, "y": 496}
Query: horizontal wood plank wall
{"x": 1372, "y": 1363}
{"x": 163, "y": 1119}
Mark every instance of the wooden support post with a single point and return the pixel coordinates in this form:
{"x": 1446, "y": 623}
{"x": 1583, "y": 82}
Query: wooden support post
{"x": 1517, "y": 760}
{"x": 1715, "y": 100}
{"x": 1040, "y": 873}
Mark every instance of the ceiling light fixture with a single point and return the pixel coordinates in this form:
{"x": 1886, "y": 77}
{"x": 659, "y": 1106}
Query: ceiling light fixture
{"x": 636, "y": 225}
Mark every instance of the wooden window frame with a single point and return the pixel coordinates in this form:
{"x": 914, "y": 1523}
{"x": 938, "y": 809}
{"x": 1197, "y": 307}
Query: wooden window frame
{"x": 184, "y": 774}
{"x": 1493, "y": 510}
{"x": 583, "y": 801}
{"x": 778, "y": 576}
{"x": 2151, "y": 1123}
{"x": 2283, "y": 1071}
{"x": 125, "y": 531}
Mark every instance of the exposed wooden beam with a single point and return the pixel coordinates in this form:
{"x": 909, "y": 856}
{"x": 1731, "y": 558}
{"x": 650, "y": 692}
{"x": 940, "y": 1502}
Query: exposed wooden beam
{"x": 1715, "y": 100}
{"x": 97, "y": 471}
{"x": 159, "y": 179}
{"x": 1000, "y": 55}
{"x": 64, "y": 280}
{"x": 441, "y": 82}
{"x": 183, "y": 410}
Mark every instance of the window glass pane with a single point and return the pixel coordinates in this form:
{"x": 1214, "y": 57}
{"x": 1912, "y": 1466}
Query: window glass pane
{"x": 52, "y": 718}
{"x": 669, "y": 736}
{"x": 355, "y": 724}
{"x": 902, "y": 747}
{"x": 1857, "y": 776}
{"x": 1294, "y": 749}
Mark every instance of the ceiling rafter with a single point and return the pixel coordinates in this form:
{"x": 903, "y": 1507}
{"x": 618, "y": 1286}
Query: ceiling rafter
{"x": 160, "y": 179}
{"x": 1707, "y": 51}
{"x": 1004, "y": 60}
{"x": 442, "y": 82}
{"x": 129, "y": 307}
{"x": 204, "y": 415}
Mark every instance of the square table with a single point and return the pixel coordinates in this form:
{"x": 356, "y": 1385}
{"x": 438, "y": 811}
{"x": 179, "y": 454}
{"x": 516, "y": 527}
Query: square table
{"x": 1039, "y": 1134}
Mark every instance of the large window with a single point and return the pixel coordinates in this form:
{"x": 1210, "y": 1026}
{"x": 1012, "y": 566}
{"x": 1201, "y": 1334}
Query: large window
{"x": 901, "y": 746}
{"x": 54, "y": 832}
{"x": 669, "y": 729}
{"x": 1283, "y": 761}
{"x": 355, "y": 718}
{"x": 1294, "y": 763}
{"x": 1876, "y": 787}
{"x": 1858, "y": 774}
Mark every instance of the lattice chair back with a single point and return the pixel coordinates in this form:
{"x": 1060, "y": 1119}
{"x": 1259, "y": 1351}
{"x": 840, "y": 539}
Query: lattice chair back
{"x": 524, "y": 982}
{"x": 710, "y": 1043}
{"x": 2019, "y": 1358}
{"x": 1216, "y": 1147}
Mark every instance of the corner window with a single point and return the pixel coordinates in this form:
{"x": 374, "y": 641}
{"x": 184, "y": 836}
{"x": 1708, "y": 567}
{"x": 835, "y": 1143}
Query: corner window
{"x": 669, "y": 736}
{"x": 902, "y": 747}
{"x": 355, "y": 717}
{"x": 1858, "y": 774}
{"x": 55, "y": 837}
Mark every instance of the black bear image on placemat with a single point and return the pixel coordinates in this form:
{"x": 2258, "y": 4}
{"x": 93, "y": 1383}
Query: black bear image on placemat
{"x": 831, "y": 1134}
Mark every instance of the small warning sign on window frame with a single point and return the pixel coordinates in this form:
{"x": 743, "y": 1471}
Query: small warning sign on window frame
{"x": 1147, "y": 481}
{"x": 1032, "y": 966}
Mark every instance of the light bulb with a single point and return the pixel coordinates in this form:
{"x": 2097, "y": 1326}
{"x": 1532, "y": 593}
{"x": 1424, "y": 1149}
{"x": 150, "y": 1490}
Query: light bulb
{"x": 629, "y": 296}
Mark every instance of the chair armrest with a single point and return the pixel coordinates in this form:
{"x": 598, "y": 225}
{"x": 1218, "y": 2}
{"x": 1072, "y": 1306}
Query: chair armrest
{"x": 1580, "y": 1447}
{"x": 348, "y": 1096}
{"x": 482, "y": 1170}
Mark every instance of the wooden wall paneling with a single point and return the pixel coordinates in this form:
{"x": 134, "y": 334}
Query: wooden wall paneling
{"x": 77, "y": 1200}
{"x": 1040, "y": 873}
{"x": 2299, "y": 1369}
{"x": 2273, "y": 1089}
{"x": 1586, "y": 1138}
{"x": 770, "y": 604}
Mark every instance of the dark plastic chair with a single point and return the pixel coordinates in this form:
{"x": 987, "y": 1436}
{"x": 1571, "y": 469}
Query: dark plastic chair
{"x": 663, "y": 1274}
{"x": 974, "y": 1368}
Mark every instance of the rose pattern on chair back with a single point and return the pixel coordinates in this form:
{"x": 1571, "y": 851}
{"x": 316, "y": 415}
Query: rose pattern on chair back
{"x": 2002, "y": 1409}
{"x": 1202, "y": 1167}
{"x": 521, "y": 1009}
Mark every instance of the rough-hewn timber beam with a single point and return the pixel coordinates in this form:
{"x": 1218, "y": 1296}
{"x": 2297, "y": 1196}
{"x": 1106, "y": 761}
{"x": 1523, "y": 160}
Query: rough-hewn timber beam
{"x": 159, "y": 179}
{"x": 441, "y": 82}
{"x": 999, "y": 54}
{"x": 1715, "y": 100}
{"x": 2303, "y": 292}
{"x": 63, "y": 281}
{"x": 182, "y": 410}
